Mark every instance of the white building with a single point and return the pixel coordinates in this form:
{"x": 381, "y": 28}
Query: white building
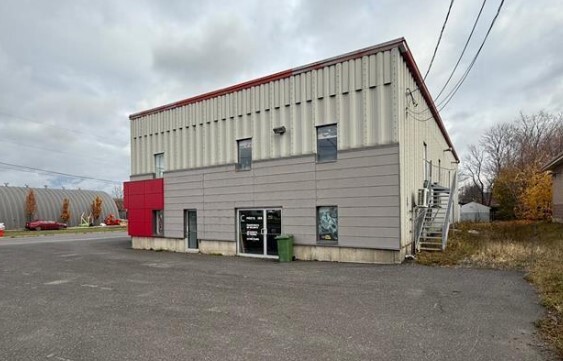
{"x": 475, "y": 212}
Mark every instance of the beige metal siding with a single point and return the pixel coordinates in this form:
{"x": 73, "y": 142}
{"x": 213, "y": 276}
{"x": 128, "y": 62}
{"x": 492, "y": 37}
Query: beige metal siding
{"x": 416, "y": 127}
{"x": 364, "y": 184}
{"x": 357, "y": 94}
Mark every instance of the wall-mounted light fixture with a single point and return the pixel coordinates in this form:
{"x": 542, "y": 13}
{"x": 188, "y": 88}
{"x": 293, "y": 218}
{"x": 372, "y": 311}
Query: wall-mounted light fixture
{"x": 279, "y": 130}
{"x": 449, "y": 149}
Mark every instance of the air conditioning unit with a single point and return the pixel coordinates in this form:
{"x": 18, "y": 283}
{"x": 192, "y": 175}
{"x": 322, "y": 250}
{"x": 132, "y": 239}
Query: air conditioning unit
{"x": 423, "y": 194}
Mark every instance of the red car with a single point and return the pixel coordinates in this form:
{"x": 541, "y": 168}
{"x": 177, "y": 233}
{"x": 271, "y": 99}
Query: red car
{"x": 44, "y": 225}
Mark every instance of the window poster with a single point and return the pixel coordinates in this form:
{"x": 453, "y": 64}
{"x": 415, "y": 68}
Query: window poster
{"x": 328, "y": 223}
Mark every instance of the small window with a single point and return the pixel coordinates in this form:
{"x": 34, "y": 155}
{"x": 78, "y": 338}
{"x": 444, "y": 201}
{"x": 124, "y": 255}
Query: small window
{"x": 159, "y": 165}
{"x": 327, "y": 224}
{"x": 244, "y": 154}
{"x": 326, "y": 143}
{"x": 158, "y": 223}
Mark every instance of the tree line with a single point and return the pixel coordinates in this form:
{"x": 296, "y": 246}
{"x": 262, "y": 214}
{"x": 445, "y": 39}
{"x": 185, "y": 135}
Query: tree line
{"x": 504, "y": 168}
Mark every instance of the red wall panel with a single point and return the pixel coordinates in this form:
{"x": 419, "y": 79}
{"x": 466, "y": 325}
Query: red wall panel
{"x": 141, "y": 198}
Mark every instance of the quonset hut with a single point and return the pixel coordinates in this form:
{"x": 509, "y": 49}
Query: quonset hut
{"x": 49, "y": 205}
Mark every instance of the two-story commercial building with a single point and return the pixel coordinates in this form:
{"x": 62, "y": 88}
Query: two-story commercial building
{"x": 337, "y": 153}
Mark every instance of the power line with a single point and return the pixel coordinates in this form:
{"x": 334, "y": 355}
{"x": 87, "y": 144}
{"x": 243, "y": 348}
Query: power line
{"x": 452, "y": 93}
{"x": 463, "y": 51}
{"x": 44, "y": 171}
{"x": 441, "y": 105}
{"x": 439, "y": 39}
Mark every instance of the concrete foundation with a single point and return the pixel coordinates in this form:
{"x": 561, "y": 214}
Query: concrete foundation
{"x": 345, "y": 254}
{"x": 218, "y": 247}
{"x": 301, "y": 252}
{"x": 159, "y": 244}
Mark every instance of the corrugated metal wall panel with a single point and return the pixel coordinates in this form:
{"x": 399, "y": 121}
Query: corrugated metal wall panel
{"x": 205, "y": 133}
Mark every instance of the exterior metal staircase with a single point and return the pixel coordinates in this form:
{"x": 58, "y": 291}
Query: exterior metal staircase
{"x": 432, "y": 220}
{"x": 432, "y": 234}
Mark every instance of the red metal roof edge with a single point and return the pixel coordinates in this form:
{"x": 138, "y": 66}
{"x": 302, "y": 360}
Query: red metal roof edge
{"x": 411, "y": 64}
{"x": 401, "y": 43}
{"x": 273, "y": 77}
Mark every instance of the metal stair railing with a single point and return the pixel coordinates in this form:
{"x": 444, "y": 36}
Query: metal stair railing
{"x": 420, "y": 215}
{"x": 446, "y": 225}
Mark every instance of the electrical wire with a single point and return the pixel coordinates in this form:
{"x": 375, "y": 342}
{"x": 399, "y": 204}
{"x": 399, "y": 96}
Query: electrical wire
{"x": 22, "y": 168}
{"x": 441, "y": 105}
{"x": 452, "y": 93}
{"x": 439, "y": 39}
{"x": 463, "y": 51}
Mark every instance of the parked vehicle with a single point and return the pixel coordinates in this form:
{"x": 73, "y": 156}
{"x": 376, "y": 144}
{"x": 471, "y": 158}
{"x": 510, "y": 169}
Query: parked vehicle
{"x": 112, "y": 221}
{"x": 44, "y": 225}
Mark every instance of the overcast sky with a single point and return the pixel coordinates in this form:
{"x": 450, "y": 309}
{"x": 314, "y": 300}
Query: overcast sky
{"x": 72, "y": 71}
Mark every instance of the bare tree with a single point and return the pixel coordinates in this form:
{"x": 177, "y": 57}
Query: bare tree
{"x": 118, "y": 192}
{"x": 509, "y": 155}
{"x": 475, "y": 167}
{"x": 497, "y": 144}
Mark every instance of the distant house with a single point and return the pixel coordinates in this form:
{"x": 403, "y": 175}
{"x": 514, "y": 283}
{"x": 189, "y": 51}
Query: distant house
{"x": 556, "y": 168}
{"x": 475, "y": 212}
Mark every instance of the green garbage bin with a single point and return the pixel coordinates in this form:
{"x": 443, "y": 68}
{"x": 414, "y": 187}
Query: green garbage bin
{"x": 285, "y": 247}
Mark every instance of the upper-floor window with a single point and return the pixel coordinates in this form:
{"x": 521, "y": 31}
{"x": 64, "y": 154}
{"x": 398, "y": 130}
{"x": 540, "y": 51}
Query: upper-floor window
{"x": 244, "y": 154}
{"x": 327, "y": 141}
{"x": 159, "y": 165}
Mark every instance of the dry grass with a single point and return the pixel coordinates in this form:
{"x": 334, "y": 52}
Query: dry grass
{"x": 533, "y": 247}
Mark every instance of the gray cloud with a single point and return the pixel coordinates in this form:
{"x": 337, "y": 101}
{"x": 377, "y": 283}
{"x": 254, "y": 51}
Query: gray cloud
{"x": 207, "y": 53}
{"x": 72, "y": 71}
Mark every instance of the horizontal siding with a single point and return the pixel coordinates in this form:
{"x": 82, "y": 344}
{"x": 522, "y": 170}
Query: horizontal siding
{"x": 365, "y": 188}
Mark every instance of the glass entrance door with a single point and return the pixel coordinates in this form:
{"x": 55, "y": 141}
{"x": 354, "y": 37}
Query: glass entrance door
{"x": 258, "y": 229}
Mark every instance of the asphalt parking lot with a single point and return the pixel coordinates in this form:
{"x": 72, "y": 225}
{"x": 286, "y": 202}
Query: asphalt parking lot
{"x": 97, "y": 299}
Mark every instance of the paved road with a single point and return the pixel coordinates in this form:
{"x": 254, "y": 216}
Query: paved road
{"x": 65, "y": 237}
{"x": 100, "y": 300}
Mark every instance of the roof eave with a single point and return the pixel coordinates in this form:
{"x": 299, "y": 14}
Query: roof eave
{"x": 273, "y": 77}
